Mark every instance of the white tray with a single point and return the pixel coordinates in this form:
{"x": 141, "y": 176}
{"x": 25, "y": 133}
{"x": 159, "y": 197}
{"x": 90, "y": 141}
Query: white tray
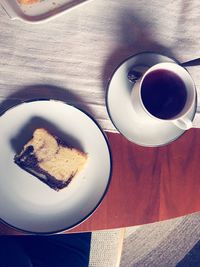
{"x": 39, "y": 12}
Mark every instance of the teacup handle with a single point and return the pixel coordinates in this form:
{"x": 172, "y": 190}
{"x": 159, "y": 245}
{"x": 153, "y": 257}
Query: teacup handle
{"x": 183, "y": 123}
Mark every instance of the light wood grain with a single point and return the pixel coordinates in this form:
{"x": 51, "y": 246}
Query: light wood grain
{"x": 150, "y": 184}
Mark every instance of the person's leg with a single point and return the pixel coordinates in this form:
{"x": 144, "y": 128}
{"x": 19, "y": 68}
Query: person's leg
{"x": 67, "y": 250}
{"x": 12, "y": 254}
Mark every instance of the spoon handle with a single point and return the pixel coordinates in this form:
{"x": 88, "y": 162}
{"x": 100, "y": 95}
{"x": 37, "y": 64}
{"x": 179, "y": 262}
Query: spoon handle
{"x": 193, "y": 62}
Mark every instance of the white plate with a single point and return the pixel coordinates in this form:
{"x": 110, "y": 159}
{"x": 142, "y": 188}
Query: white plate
{"x": 41, "y": 11}
{"x": 27, "y": 203}
{"x": 121, "y": 110}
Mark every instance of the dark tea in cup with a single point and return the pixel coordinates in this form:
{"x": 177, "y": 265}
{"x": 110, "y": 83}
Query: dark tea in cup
{"x": 163, "y": 93}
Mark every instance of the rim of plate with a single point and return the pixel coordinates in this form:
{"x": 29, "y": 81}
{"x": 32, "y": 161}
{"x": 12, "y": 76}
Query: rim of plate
{"x": 108, "y": 109}
{"x": 109, "y": 177}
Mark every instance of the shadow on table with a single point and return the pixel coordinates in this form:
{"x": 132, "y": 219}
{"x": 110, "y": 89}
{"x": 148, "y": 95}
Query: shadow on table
{"x": 134, "y": 37}
{"x": 39, "y": 92}
{"x": 44, "y": 91}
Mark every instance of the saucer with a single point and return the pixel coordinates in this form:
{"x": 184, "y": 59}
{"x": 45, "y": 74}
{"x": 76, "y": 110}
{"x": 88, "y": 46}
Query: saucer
{"x": 122, "y": 114}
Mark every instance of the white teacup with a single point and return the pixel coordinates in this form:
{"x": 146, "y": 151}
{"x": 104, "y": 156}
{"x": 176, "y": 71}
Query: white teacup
{"x": 166, "y": 92}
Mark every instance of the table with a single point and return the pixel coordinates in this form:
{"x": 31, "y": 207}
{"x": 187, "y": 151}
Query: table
{"x": 72, "y": 58}
{"x": 148, "y": 184}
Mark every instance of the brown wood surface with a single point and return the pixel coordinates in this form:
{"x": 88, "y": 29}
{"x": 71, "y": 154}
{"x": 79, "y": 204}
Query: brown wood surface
{"x": 148, "y": 184}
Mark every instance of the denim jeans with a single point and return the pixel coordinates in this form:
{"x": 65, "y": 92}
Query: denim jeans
{"x": 69, "y": 250}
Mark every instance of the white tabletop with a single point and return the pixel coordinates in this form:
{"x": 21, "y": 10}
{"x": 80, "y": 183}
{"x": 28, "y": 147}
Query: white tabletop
{"x": 73, "y": 56}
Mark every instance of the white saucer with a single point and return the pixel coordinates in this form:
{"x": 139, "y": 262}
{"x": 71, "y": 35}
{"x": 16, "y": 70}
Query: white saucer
{"x": 121, "y": 111}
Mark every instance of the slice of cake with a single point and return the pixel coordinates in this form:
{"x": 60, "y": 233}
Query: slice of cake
{"x": 50, "y": 159}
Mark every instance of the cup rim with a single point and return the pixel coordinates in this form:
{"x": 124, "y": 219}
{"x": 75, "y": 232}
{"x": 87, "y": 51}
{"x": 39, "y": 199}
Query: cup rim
{"x": 180, "y": 114}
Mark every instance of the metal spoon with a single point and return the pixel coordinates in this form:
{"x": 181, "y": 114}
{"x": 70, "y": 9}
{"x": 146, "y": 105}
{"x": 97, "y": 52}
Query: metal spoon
{"x": 134, "y": 75}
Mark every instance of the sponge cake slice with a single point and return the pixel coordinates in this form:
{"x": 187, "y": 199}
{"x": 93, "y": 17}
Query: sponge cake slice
{"x": 50, "y": 159}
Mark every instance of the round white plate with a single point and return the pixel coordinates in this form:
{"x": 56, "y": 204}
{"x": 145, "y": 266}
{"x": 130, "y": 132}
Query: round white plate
{"x": 121, "y": 110}
{"x": 27, "y": 203}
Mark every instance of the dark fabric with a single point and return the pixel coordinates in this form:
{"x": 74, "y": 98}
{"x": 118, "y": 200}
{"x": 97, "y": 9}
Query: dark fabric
{"x": 70, "y": 250}
{"x": 192, "y": 258}
{"x": 12, "y": 254}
